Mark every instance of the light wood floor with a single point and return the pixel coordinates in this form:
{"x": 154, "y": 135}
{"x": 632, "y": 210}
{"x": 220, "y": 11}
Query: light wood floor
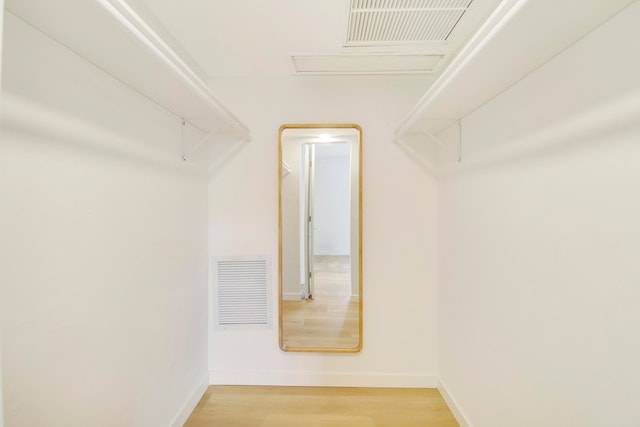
{"x": 330, "y": 320}
{"x": 257, "y": 406}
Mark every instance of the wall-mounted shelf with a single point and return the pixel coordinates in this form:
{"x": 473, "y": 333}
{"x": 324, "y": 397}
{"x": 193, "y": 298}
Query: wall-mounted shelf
{"x": 517, "y": 38}
{"x": 115, "y": 37}
{"x": 23, "y": 117}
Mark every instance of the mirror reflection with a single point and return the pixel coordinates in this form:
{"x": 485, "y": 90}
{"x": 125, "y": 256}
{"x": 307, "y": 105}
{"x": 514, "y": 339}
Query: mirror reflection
{"x": 320, "y": 238}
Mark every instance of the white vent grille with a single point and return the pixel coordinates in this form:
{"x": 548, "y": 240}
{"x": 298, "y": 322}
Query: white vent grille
{"x": 242, "y": 291}
{"x": 375, "y": 22}
{"x": 366, "y": 64}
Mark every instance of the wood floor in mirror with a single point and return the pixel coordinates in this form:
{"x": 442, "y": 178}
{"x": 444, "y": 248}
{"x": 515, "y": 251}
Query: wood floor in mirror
{"x": 331, "y": 318}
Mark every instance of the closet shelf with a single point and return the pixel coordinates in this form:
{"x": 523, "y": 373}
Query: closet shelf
{"x": 21, "y": 118}
{"x": 506, "y": 48}
{"x": 461, "y": 87}
{"x": 114, "y": 37}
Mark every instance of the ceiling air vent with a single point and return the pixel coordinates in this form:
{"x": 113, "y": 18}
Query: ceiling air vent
{"x": 366, "y": 63}
{"x": 383, "y": 22}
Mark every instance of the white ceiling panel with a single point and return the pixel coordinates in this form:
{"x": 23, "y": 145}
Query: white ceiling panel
{"x": 258, "y": 38}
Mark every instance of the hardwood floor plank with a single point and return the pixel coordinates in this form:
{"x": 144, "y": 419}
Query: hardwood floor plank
{"x": 261, "y": 406}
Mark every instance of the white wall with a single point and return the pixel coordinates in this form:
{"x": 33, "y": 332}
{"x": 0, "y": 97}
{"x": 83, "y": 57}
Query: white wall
{"x": 399, "y": 223}
{"x": 1, "y": 33}
{"x": 104, "y": 256}
{"x": 293, "y": 264}
{"x": 539, "y": 300}
{"x": 332, "y": 202}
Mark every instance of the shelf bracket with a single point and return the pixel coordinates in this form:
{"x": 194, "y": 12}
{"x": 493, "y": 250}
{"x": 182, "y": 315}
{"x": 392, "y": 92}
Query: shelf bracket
{"x": 183, "y": 144}
{"x": 459, "y": 140}
{"x": 433, "y": 137}
{"x": 286, "y": 169}
{"x": 199, "y": 143}
{"x": 186, "y": 153}
{"x": 448, "y": 147}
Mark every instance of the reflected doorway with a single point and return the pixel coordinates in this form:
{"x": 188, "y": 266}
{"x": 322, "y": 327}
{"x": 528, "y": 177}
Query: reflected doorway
{"x": 325, "y": 212}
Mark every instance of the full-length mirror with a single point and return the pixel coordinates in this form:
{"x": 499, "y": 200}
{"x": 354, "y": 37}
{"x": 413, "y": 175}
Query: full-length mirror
{"x": 320, "y": 222}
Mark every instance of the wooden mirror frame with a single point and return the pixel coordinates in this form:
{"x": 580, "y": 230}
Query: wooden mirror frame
{"x": 282, "y": 344}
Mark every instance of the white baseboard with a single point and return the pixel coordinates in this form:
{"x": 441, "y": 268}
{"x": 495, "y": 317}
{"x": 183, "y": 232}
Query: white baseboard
{"x": 188, "y": 408}
{"x": 453, "y": 405}
{"x": 317, "y": 379}
{"x": 291, "y": 296}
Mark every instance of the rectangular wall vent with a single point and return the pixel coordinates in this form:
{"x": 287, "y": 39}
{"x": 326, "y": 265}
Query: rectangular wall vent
{"x": 366, "y": 63}
{"x": 242, "y": 291}
{"x": 380, "y": 22}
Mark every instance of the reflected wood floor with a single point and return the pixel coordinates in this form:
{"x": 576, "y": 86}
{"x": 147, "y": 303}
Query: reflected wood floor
{"x": 330, "y": 320}
{"x": 260, "y": 406}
